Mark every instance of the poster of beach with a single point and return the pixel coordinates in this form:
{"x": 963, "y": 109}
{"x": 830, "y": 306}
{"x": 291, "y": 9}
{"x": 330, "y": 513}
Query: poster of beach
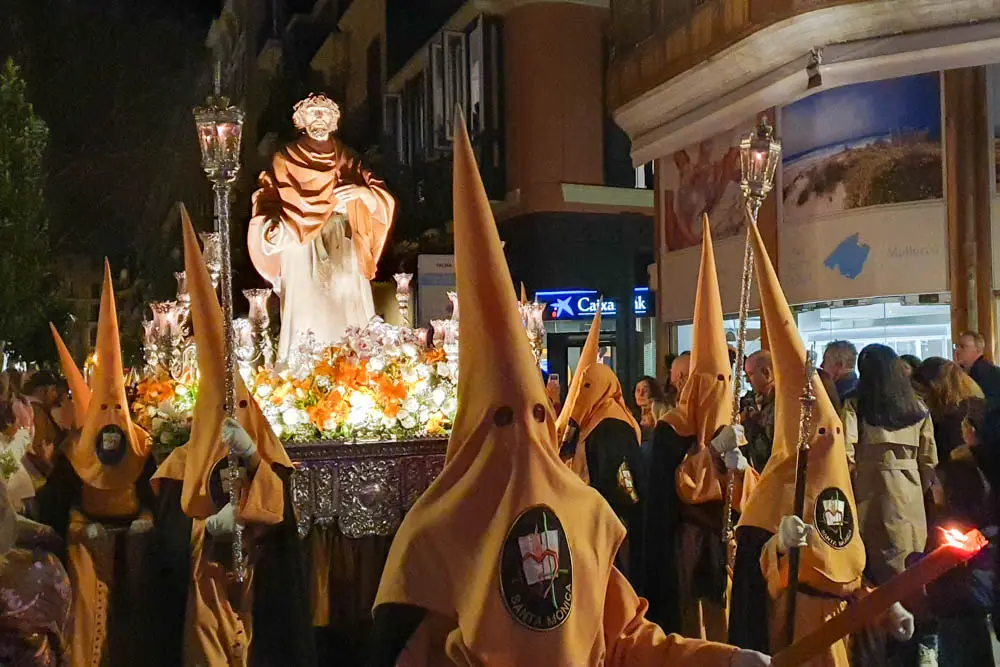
{"x": 862, "y": 145}
{"x": 703, "y": 178}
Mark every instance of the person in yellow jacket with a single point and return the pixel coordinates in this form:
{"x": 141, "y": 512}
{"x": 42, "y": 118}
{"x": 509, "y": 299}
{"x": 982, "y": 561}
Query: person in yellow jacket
{"x": 98, "y": 498}
{"x": 205, "y": 617}
{"x": 507, "y": 557}
{"x": 832, "y": 554}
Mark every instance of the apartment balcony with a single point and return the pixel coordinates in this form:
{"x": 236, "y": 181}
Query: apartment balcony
{"x": 676, "y": 64}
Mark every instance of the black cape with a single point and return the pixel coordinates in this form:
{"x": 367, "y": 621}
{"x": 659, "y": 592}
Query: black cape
{"x": 129, "y": 621}
{"x": 661, "y": 518}
{"x": 282, "y": 630}
{"x": 748, "y": 609}
{"x": 610, "y": 444}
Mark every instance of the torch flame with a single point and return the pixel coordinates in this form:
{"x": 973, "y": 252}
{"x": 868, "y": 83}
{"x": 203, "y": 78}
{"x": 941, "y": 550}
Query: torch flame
{"x": 971, "y": 541}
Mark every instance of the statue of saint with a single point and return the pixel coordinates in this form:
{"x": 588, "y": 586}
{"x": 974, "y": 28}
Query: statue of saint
{"x": 319, "y": 225}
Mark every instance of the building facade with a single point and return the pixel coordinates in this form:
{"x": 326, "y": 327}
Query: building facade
{"x": 575, "y": 217}
{"x": 882, "y": 218}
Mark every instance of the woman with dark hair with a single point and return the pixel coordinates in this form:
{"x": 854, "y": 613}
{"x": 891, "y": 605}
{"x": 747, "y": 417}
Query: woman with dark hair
{"x": 890, "y": 446}
{"x": 650, "y": 401}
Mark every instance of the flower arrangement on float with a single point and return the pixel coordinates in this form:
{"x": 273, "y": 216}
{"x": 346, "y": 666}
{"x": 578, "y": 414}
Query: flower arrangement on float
{"x": 163, "y": 406}
{"x": 380, "y": 382}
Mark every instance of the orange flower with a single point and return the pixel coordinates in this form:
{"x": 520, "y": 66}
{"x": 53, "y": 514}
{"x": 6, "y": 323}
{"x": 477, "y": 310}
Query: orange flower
{"x": 392, "y": 409}
{"x": 435, "y": 355}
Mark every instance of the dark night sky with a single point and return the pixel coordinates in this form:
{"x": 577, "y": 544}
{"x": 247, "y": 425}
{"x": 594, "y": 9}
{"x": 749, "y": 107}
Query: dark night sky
{"x": 115, "y": 80}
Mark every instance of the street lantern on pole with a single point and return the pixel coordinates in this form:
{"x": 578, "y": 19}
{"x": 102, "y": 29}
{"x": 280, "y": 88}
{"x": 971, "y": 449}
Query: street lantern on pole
{"x": 220, "y": 129}
{"x": 760, "y": 153}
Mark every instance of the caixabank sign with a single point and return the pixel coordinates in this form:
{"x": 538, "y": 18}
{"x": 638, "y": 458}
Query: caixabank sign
{"x": 583, "y": 304}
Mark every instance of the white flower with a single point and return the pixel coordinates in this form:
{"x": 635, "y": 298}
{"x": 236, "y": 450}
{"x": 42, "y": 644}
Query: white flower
{"x": 376, "y": 364}
{"x": 357, "y": 416}
{"x": 293, "y": 417}
{"x": 388, "y": 422}
{"x": 438, "y": 396}
{"x": 450, "y": 406}
{"x": 423, "y": 371}
{"x": 410, "y": 376}
{"x": 410, "y": 404}
{"x": 410, "y": 350}
{"x": 361, "y": 401}
{"x": 181, "y": 390}
{"x": 264, "y": 390}
{"x": 406, "y": 420}
{"x": 443, "y": 369}
{"x": 157, "y": 424}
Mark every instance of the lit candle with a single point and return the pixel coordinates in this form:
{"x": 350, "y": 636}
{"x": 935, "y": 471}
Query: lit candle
{"x": 957, "y": 549}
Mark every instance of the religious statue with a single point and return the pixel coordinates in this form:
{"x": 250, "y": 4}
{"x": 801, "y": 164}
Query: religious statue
{"x": 319, "y": 225}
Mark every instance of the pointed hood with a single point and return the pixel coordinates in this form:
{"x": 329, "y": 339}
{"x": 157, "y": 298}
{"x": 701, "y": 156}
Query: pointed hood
{"x": 834, "y": 563}
{"x": 600, "y": 397}
{"x": 503, "y": 491}
{"x": 705, "y": 403}
{"x": 111, "y": 451}
{"x": 588, "y": 356}
{"x": 524, "y": 294}
{"x": 194, "y": 462}
{"x": 77, "y": 384}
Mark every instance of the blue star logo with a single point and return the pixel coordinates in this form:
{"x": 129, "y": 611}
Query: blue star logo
{"x": 849, "y": 257}
{"x": 562, "y": 307}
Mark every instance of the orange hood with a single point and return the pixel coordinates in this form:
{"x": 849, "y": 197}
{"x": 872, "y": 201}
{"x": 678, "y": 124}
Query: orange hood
{"x": 193, "y": 463}
{"x": 501, "y": 537}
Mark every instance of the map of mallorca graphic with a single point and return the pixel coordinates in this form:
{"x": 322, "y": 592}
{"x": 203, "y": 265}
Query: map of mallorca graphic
{"x": 849, "y": 257}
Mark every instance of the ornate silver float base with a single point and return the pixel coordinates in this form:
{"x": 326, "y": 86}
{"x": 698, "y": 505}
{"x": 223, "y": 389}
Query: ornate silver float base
{"x": 363, "y": 488}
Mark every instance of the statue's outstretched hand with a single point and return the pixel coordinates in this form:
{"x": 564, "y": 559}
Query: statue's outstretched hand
{"x": 350, "y": 192}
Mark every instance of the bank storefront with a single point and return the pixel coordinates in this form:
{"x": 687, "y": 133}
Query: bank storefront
{"x": 568, "y": 319}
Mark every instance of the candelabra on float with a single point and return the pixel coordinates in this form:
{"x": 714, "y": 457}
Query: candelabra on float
{"x": 220, "y": 128}
{"x": 260, "y": 327}
{"x": 403, "y": 296}
{"x": 760, "y": 154}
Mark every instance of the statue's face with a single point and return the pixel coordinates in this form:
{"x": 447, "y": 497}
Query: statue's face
{"x": 319, "y": 122}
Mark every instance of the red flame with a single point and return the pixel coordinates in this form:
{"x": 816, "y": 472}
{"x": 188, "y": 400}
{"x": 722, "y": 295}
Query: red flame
{"x": 972, "y": 541}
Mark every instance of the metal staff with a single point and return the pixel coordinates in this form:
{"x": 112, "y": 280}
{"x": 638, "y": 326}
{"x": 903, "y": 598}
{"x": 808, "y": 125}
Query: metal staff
{"x": 220, "y": 129}
{"x": 807, "y": 401}
{"x": 760, "y": 153}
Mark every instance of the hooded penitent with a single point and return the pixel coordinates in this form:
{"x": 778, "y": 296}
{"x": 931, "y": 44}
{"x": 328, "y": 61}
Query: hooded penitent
{"x": 111, "y": 450}
{"x": 588, "y": 356}
{"x": 193, "y": 463}
{"x": 705, "y": 403}
{"x": 600, "y": 398}
{"x": 507, "y": 542}
{"x": 834, "y": 563}
{"x": 77, "y": 384}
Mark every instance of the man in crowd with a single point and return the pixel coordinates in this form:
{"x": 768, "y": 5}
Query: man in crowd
{"x": 679, "y": 371}
{"x": 758, "y": 408}
{"x": 839, "y": 358}
{"x": 969, "y": 351}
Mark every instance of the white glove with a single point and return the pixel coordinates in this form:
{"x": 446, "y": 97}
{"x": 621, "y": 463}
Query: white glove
{"x": 899, "y": 622}
{"x": 744, "y": 658}
{"x": 140, "y": 526}
{"x": 94, "y": 532}
{"x": 735, "y": 461}
{"x": 792, "y": 532}
{"x": 729, "y": 438}
{"x": 222, "y": 523}
{"x": 235, "y": 437}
